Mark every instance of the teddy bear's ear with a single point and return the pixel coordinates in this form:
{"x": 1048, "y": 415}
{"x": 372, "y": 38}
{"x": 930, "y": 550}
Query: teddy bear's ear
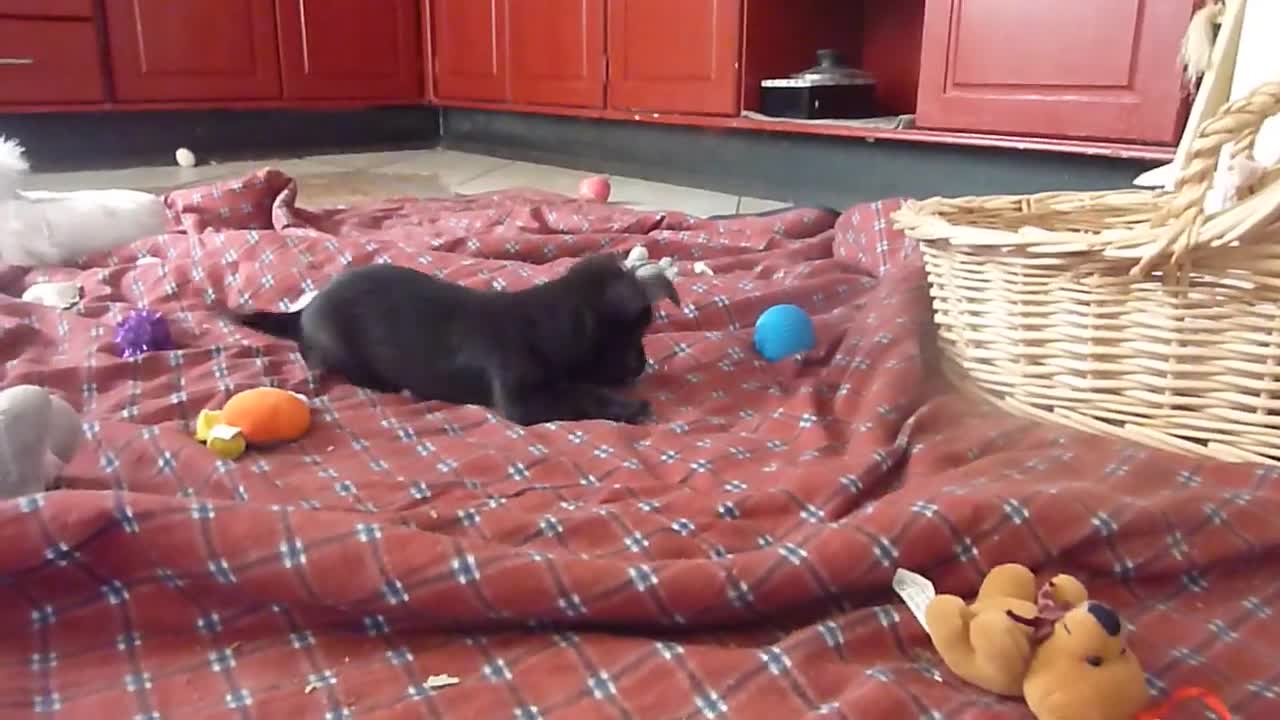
{"x": 1107, "y": 618}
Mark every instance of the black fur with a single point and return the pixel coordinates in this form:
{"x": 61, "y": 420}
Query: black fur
{"x": 550, "y": 352}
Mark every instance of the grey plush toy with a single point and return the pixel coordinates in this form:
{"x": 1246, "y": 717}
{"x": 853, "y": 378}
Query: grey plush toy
{"x": 38, "y": 436}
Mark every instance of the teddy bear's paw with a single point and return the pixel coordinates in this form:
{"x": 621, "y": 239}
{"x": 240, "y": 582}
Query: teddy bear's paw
{"x": 1067, "y": 591}
{"x": 1059, "y": 706}
{"x": 947, "y": 614}
{"x": 1009, "y": 580}
{"x": 1001, "y": 645}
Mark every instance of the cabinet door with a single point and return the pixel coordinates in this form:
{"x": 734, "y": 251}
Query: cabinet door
{"x": 557, "y": 52}
{"x": 470, "y": 38}
{"x": 48, "y": 8}
{"x": 675, "y": 55}
{"x": 49, "y": 61}
{"x": 1104, "y": 69}
{"x": 358, "y": 49}
{"x": 193, "y": 49}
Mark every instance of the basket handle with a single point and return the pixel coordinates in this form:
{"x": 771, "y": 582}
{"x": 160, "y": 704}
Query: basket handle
{"x": 1236, "y": 124}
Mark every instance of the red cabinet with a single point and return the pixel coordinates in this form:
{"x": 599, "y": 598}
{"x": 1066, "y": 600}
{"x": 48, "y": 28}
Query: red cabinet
{"x": 48, "y": 8}
{"x": 167, "y": 50}
{"x": 675, "y": 55}
{"x": 556, "y": 52}
{"x": 470, "y": 39}
{"x": 1103, "y": 69}
{"x": 355, "y": 49}
{"x": 49, "y": 61}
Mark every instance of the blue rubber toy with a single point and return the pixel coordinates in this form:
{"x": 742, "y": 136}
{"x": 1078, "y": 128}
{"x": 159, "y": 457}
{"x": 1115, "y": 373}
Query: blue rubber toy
{"x": 783, "y": 331}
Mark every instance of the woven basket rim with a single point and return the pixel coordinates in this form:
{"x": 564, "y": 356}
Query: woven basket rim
{"x": 1151, "y": 227}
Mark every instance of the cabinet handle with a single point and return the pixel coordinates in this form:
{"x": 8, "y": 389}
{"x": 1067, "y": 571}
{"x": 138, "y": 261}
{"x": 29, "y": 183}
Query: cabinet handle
{"x": 17, "y": 61}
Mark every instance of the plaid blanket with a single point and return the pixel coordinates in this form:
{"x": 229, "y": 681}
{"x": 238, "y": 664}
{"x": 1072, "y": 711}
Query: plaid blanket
{"x": 732, "y": 559}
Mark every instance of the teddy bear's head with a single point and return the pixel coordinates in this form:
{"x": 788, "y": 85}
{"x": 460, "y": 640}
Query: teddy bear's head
{"x": 1091, "y": 632}
{"x": 1084, "y": 668}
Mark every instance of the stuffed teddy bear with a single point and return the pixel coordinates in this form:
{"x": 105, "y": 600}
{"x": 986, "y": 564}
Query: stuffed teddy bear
{"x": 38, "y": 435}
{"x": 1065, "y": 654}
{"x": 989, "y": 642}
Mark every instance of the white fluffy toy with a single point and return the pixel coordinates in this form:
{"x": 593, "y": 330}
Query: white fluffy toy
{"x": 57, "y": 228}
{"x": 638, "y": 262}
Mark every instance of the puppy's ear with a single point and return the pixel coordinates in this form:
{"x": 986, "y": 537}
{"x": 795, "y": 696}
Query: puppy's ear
{"x": 658, "y": 286}
{"x": 625, "y": 298}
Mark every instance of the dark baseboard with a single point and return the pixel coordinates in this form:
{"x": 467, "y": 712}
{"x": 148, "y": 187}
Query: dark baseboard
{"x": 802, "y": 169}
{"x": 82, "y": 141}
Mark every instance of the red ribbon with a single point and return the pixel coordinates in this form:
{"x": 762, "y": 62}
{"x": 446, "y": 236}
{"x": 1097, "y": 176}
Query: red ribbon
{"x": 1211, "y": 701}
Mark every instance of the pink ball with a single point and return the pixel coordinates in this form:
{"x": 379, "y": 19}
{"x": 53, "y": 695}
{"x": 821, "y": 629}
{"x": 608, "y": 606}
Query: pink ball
{"x": 595, "y": 188}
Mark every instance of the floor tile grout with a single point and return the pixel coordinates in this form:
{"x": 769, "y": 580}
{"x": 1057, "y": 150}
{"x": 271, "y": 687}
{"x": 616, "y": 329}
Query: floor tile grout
{"x": 486, "y": 173}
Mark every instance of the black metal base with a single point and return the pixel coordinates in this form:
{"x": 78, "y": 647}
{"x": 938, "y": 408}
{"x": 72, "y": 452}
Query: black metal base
{"x": 82, "y": 141}
{"x": 803, "y": 169}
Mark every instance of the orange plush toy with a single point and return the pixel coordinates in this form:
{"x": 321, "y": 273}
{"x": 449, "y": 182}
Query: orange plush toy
{"x": 1066, "y": 655}
{"x": 261, "y": 416}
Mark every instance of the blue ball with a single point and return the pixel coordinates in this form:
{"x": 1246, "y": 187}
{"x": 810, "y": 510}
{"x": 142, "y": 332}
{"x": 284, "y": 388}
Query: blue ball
{"x": 783, "y": 331}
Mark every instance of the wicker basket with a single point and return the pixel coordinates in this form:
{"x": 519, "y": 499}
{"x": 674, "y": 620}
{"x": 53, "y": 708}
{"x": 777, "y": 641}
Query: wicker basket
{"x": 1132, "y": 312}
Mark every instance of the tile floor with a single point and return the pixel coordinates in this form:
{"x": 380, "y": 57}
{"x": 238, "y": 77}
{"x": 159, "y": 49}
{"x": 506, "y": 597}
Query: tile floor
{"x": 410, "y": 172}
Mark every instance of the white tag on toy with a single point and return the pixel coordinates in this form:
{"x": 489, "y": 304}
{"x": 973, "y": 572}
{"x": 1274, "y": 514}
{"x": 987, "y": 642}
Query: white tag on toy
{"x": 916, "y": 591}
{"x": 301, "y": 302}
{"x": 223, "y": 432}
{"x": 61, "y": 295}
{"x": 435, "y": 682}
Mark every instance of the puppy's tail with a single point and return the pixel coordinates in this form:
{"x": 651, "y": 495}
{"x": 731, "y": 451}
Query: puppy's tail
{"x": 13, "y": 166}
{"x": 287, "y": 325}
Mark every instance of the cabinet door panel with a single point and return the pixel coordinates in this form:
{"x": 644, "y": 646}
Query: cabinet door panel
{"x": 557, "y": 52}
{"x": 193, "y": 49}
{"x": 470, "y": 39}
{"x": 675, "y": 55}
{"x": 48, "y": 8}
{"x": 1089, "y": 68}
{"x": 350, "y": 49}
{"x": 49, "y": 61}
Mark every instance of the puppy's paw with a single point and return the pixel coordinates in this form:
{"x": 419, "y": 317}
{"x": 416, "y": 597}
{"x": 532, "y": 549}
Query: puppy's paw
{"x": 622, "y": 409}
{"x": 635, "y": 412}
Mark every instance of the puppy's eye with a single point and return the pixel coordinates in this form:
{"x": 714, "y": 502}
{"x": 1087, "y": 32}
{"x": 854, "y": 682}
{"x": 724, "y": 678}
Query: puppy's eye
{"x": 1094, "y": 660}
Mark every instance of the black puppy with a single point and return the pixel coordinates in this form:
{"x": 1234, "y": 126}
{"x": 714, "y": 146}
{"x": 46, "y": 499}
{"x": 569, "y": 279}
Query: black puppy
{"x": 549, "y": 352}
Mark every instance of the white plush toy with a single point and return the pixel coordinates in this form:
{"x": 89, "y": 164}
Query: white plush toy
{"x": 57, "y": 228}
{"x": 38, "y": 435}
{"x": 639, "y": 263}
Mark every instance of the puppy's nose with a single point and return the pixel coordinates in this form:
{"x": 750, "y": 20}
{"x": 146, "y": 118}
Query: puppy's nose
{"x": 1106, "y": 617}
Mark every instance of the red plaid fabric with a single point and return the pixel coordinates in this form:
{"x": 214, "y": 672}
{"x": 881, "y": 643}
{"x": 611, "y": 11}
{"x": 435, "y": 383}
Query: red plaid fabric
{"x": 732, "y": 559}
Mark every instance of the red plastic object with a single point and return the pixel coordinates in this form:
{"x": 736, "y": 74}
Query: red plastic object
{"x": 595, "y": 188}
